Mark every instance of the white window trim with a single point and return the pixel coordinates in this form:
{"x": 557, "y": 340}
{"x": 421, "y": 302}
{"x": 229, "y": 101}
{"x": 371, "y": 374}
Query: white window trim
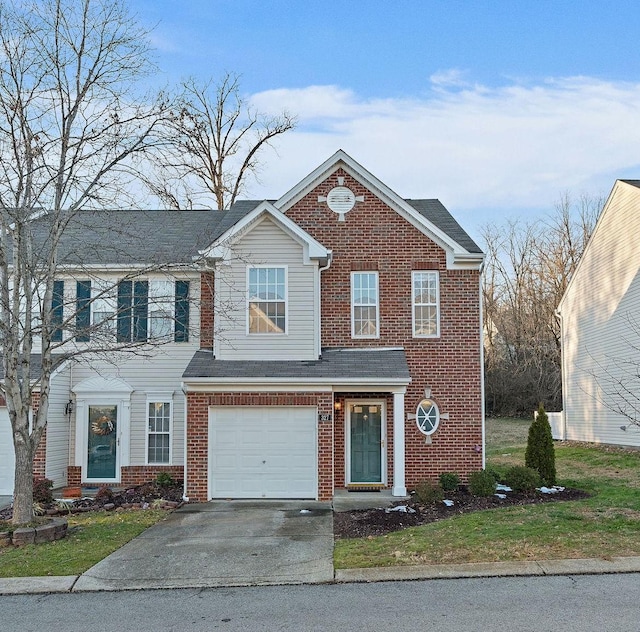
{"x": 413, "y": 304}
{"x": 353, "y": 306}
{"x": 286, "y": 299}
{"x": 154, "y": 398}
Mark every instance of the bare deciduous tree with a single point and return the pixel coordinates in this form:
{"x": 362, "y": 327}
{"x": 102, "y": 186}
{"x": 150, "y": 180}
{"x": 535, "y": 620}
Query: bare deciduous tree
{"x": 528, "y": 267}
{"x": 214, "y": 140}
{"x": 70, "y": 134}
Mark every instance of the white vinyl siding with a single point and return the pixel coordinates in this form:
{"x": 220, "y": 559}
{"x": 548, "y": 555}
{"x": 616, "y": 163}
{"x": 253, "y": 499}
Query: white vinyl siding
{"x": 598, "y": 316}
{"x": 365, "y": 305}
{"x": 7, "y": 454}
{"x": 58, "y": 434}
{"x": 267, "y": 245}
{"x": 425, "y": 304}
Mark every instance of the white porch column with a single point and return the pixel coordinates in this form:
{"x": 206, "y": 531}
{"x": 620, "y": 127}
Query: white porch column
{"x": 399, "y": 488}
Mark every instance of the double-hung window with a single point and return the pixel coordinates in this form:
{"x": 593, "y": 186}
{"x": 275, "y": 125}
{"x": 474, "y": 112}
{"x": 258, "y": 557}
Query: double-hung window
{"x": 159, "y": 431}
{"x": 426, "y": 304}
{"x": 365, "y": 305}
{"x": 267, "y": 312}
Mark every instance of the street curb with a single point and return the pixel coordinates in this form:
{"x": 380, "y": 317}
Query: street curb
{"x": 37, "y": 585}
{"x": 490, "y": 569}
{"x": 538, "y": 568}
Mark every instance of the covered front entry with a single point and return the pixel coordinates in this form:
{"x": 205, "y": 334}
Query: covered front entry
{"x": 263, "y": 452}
{"x": 365, "y": 443}
{"x": 7, "y": 455}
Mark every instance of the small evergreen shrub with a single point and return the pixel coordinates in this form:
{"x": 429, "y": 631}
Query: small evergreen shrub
{"x": 428, "y": 492}
{"x": 540, "y": 453}
{"x": 481, "y": 483}
{"x": 522, "y": 479}
{"x": 42, "y": 493}
{"x": 449, "y": 481}
{"x": 164, "y": 479}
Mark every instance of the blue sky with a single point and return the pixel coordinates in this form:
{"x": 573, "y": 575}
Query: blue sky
{"x": 496, "y": 107}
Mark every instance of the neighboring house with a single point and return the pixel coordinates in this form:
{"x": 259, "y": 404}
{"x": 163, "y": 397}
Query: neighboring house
{"x": 600, "y": 327}
{"x": 323, "y": 329}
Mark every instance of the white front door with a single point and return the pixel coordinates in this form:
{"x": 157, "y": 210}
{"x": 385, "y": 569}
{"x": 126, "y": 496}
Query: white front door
{"x": 263, "y": 452}
{"x": 7, "y": 455}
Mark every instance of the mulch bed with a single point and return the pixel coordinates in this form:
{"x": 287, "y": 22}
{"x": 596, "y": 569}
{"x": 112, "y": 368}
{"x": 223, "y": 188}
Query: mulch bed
{"x": 362, "y": 523}
{"x": 139, "y": 497}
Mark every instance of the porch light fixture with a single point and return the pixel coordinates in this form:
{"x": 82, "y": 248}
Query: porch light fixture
{"x": 337, "y": 405}
{"x": 68, "y": 408}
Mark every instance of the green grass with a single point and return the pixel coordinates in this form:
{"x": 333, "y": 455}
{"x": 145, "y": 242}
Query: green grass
{"x": 605, "y": 525}
{"x": 94, "y": 535}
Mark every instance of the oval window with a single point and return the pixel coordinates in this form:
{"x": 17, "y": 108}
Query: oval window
{"x": 427, "y": 416}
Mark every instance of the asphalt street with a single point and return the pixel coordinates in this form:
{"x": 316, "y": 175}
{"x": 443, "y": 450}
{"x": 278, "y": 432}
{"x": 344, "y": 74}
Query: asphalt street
{"x": 587, "y": 603}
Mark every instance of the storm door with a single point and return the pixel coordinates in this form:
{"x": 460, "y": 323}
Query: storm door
{"x": 102, "y": 443}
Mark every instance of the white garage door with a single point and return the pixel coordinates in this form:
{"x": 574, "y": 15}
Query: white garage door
{"x": 7, "y": 455}
{"x": 263, "y": 452}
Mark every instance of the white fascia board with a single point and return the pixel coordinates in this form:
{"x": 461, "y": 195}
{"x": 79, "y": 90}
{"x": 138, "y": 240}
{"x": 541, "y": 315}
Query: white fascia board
{"x": 601, "y": 220}
{"x": 220, "y": 248}
{"x": 203, "y": 385}
{"x": 341, "y": 159}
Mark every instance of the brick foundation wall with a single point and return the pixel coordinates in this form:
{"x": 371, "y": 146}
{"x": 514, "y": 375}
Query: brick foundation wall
{"x": 129, "y": 475}
{"x": 198, "y": 434}
{"x": 449, "y": 365}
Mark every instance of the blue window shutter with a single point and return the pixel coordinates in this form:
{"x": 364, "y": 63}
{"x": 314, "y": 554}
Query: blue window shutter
{"x": 57, "y": 311}
{"x": 140, "y": 306}
{"x": 182, "y": 312}
{"x": 125, "y": 296}
{"x": 83, "y": 311}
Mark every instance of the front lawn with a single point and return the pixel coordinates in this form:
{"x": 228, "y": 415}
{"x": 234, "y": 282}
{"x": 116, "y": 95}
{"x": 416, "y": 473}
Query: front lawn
{"x": 605, "y": 525}
{"x": 92, "y": 536}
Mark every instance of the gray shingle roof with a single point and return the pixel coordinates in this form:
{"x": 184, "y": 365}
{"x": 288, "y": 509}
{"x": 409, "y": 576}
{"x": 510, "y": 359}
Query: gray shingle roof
{"x": 117, "y": 237}
{"x": 437, "y": 214}
{"x": 335, "y": 364}
{"x": 35, "y": 368}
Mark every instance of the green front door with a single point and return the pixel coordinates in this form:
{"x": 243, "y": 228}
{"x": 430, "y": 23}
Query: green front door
{"x": 366, "y": 443}
{"x": 102, "y": 444}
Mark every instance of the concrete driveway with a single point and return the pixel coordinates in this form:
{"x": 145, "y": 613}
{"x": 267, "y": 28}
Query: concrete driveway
{"x": 224, "y": 543}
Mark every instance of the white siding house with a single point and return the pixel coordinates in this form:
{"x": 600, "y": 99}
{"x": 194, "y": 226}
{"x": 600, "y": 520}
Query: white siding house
{"x": 600, "y": 325}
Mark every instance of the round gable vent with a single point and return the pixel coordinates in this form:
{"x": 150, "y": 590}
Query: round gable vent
{"x": 341, "y": 200}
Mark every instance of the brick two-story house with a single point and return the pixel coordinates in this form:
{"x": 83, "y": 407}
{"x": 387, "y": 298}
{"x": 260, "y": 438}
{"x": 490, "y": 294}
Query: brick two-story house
{"x": 343, "y": 317}
{"x": 328, "y": 340}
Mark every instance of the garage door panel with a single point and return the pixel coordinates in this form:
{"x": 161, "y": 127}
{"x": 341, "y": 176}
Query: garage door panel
{"x": 263, "y": 453}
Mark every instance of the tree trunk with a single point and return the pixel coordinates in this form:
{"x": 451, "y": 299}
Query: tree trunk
{"x": 23, "y": 486}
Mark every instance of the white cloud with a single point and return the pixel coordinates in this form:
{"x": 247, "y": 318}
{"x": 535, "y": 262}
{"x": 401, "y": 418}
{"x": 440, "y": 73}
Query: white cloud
{"x": 511, "y": 149}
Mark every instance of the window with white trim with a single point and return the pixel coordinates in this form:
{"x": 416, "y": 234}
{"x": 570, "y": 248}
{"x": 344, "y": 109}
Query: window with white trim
{"x": 159, "y": 432}
{"x": 426, "y": 304}
{"x": 161, "y": 299}
{"x": 427, "y": 416}
{"x": 365, "y": 308}
{"x": 267, "y": 292}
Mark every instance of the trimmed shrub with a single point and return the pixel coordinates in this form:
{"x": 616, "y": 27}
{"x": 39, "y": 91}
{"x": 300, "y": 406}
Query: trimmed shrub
{"x": 164, "y": 479}
{"x": 449, "y": 481}
{"x": 496, "y": 474}
{"x": 428, "y": 492}
{"x": 522, "y": 479}
{"x": 540, "y": 454}
{"x": 42, "y": 493}
{"x": 481, "y": 483}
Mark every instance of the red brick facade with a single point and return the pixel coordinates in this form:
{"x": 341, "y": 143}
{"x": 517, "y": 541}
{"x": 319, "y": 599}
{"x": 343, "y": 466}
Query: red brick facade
{"x": 129, "y": 475}
{"x": 376, "y": 237}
